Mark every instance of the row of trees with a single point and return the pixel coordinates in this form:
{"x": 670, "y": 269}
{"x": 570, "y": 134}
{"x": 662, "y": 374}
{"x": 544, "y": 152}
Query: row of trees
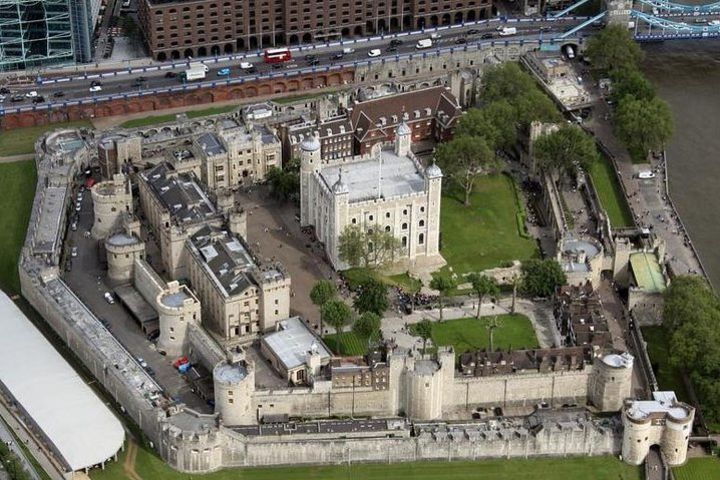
{"x": 12, "y": 464}
{"x": 538, "y": 278}
{"x": 370, "y": 302}
{"x": 367, "y": 248}
{"x": 511, "y": 100}
{"x": 642, "y": 120}
{"x": 691, "y": 314}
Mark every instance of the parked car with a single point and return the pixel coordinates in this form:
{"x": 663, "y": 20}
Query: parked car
{"x": 247, "y": 66}
{"x": 68, "y": 266}
{"x": 74, "y": 225}
{"x": 223, "y": 72}
{"x": 109, "y": 298}
{"x": 142, "y": 362}
{"x": 31, "y": 94}
{"x": 460, "y": 40}
{"x": 473, "y": 31}
{"x": 348, "y": 51}
{"x": 375, "y": 52}
{"x": 74, "y": 251}
{"x": 59, "y": 94}
{"x": 96, "y": 88}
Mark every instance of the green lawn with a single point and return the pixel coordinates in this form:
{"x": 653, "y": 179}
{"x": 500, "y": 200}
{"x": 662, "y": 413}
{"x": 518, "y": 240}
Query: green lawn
{"x": 149, "y": 467}
{"x": 17, "y": 182}
{"x": 466, "y": 334}
{"x": 356, "y": 276}
{"x": 706, "y": 468}
{"x": 346, "y": 344}
{"x": 405, "y": 281}
{"x": 668, "y": 377}
{"x": 484, "y": 235}
{"x": 611, "y": 195}
{"x": 19, "y": 141}
{"x": 297, "y": 98}
{"x": 157, "y": 119}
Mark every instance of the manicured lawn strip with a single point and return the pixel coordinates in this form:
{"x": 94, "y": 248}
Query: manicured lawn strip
{"x": 148, "y": 466}
{"x": 668, "y": 377}
{"x": 21, "y": 141}
{"x": 356, "y": 276}
{"x": 707, "y": 468}
{"x": 158, "y": 119}
{"x": 17, "y": 184}
{"x": 611, "y": 195}
{"x": 404, "y": 281}
{"x": 347, "y": 343}
{"x": 467, "y": 334}
{"x": 484, "y": 235}
{"x": 296, "y": 98}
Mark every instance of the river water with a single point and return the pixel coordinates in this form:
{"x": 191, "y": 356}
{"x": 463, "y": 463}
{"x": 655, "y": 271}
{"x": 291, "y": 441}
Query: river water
{"x": 687, "y": 75}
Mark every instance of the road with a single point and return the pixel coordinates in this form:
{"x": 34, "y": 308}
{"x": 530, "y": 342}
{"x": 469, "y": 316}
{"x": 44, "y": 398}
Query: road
{"x": 147, "y": 83}
{"x": 7, "y": 438}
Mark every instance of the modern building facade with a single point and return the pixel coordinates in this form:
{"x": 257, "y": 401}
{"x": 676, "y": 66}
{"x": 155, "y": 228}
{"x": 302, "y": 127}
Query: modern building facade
{"x": 41, "y": 32}
{"x": 196, "y": 28}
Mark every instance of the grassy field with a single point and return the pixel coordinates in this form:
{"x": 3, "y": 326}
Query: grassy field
{"x": 706, "y": 468}
{"x": 610, "y": 193}
{"x": 20, "y": 141}
{"x": 149, "y": 467}
{"x": 157, "y": 119}
{"x": 347, "y": 343}
{"x": 356, "y": 276}
{"x": 484, "y": 235}
{"x": 466, "y": 334}
{"x": 17, "y": 182}
{"x": 668, "y": 377}
{"x": 297, "y": 98}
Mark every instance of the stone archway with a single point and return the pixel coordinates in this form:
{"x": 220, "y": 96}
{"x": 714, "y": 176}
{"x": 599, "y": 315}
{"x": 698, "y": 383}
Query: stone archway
{"x": 459, "y": 17}
{"x": 188, "y": 53}
{"x": 161, "y": 57}
{"x": 215, "y": 50}
{"x": 202, "y": 52}
{"x": 175, "y": 55}
{"x": 228, "y": 48}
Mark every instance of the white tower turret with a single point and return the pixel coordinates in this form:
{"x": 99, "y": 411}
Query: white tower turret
{"x": 310, "y": 158}
{"x": 403, "y": 139}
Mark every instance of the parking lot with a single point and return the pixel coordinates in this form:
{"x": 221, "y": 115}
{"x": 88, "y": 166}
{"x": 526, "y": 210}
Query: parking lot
{"x": 87, "y": 278}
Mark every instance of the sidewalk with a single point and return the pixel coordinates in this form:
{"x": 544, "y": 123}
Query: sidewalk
{"x": 647, "y": 199}
{"x": 539, "y": 314}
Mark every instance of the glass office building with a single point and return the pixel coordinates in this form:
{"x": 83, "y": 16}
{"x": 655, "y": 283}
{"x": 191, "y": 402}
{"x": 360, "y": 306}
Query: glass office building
{"x": 35, "y": 33}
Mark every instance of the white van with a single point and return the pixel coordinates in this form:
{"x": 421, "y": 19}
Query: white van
{"x": 200, "y": 65}
{"x": 507, "y": 31}
{"x": 424, "y": 43}
{"x": 646, "y": 175}
{"x": 348, "y": 51}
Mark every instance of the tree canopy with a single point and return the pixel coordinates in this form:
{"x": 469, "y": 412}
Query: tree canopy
{"x": 372, "y": 297}
{"x": 630, "y": 81}
{"x": 322, "y": 292}
{"x": 643, "y": 125}
{"x": 691, "y": 315}
{"x": 370, "y": 248}
{"x": 463, "y": 159}
{"x": 483, "y": 286}
{"x": 285, "y": 183}
{"x": 564, "y": 149}
{"x": 540, "y": 278}
{"x": 613, "y": 48}
{"x": 367, "y": 326}
{"x": 337, "y": 314}
{"x": 423, "y": 329}
{"x": 444, "y": 284}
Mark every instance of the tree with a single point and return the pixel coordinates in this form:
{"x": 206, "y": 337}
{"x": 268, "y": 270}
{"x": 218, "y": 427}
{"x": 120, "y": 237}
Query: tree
{"x": 463, "y": 159}
{"x": 535, "y": 106}
{"x": 337, "y": 314}
{"x": 322, "y": 292}
{"x": 564, "y": 149}
{"x": 371, "y": 248}
{"x": 372, "y": 297}
{"x": 540, "y": 278}
{"x": 643, "y": 125}
{"x": 444, "y": 284}
{"x": 613, "y": 48}
{"x": 285, "y": 183}
{"x": 506, "y": 81}
{"x": 687, "y": 297}
{"x": 483, "y": 286}
{"x": 630, "y": 81}
{"x": 423, "y": 329}
{"x": 504, "y": 120}
{"x": 474, "y": 123}
{"x": 367, "y": 326}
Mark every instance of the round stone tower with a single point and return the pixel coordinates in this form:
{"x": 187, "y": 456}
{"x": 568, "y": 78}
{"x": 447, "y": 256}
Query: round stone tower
{"x": 111, "y": 199}
{"x": 177, "y": 307}
{"x": 424, "y": 391}
{"x": 611, "y": 382}
{"x": 310, "y": 158}
{"x": 122, "y": 249}
{"x": 234, "y": 385}
{"x": 663, "y": 421}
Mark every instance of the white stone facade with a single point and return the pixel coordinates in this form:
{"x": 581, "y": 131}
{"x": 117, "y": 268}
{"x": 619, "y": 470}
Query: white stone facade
{"x": 387, "y": 189}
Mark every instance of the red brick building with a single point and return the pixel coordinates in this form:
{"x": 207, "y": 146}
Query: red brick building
{"x": 176, "y": 29}
{"x": 431, "y": 113}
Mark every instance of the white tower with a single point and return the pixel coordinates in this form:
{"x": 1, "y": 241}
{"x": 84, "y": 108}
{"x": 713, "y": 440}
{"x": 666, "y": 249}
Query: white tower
{"x": 310, "y": 158}
{"x": 403, "y": 139}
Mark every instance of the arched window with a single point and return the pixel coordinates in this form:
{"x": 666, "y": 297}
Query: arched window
{"x": 387, "y": 228}
{"x": 404, "y": 242}
{"x": 422, "y": 223}
{"x": 421, "y": 238}
{"x": 404, "y": 226}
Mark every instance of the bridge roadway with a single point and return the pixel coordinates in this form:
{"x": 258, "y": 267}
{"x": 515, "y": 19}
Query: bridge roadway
{"x": 123, "y": 82}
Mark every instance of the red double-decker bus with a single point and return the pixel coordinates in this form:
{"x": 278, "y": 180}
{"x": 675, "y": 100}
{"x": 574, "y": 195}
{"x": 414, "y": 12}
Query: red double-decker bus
{"x": 277, "y": 55}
